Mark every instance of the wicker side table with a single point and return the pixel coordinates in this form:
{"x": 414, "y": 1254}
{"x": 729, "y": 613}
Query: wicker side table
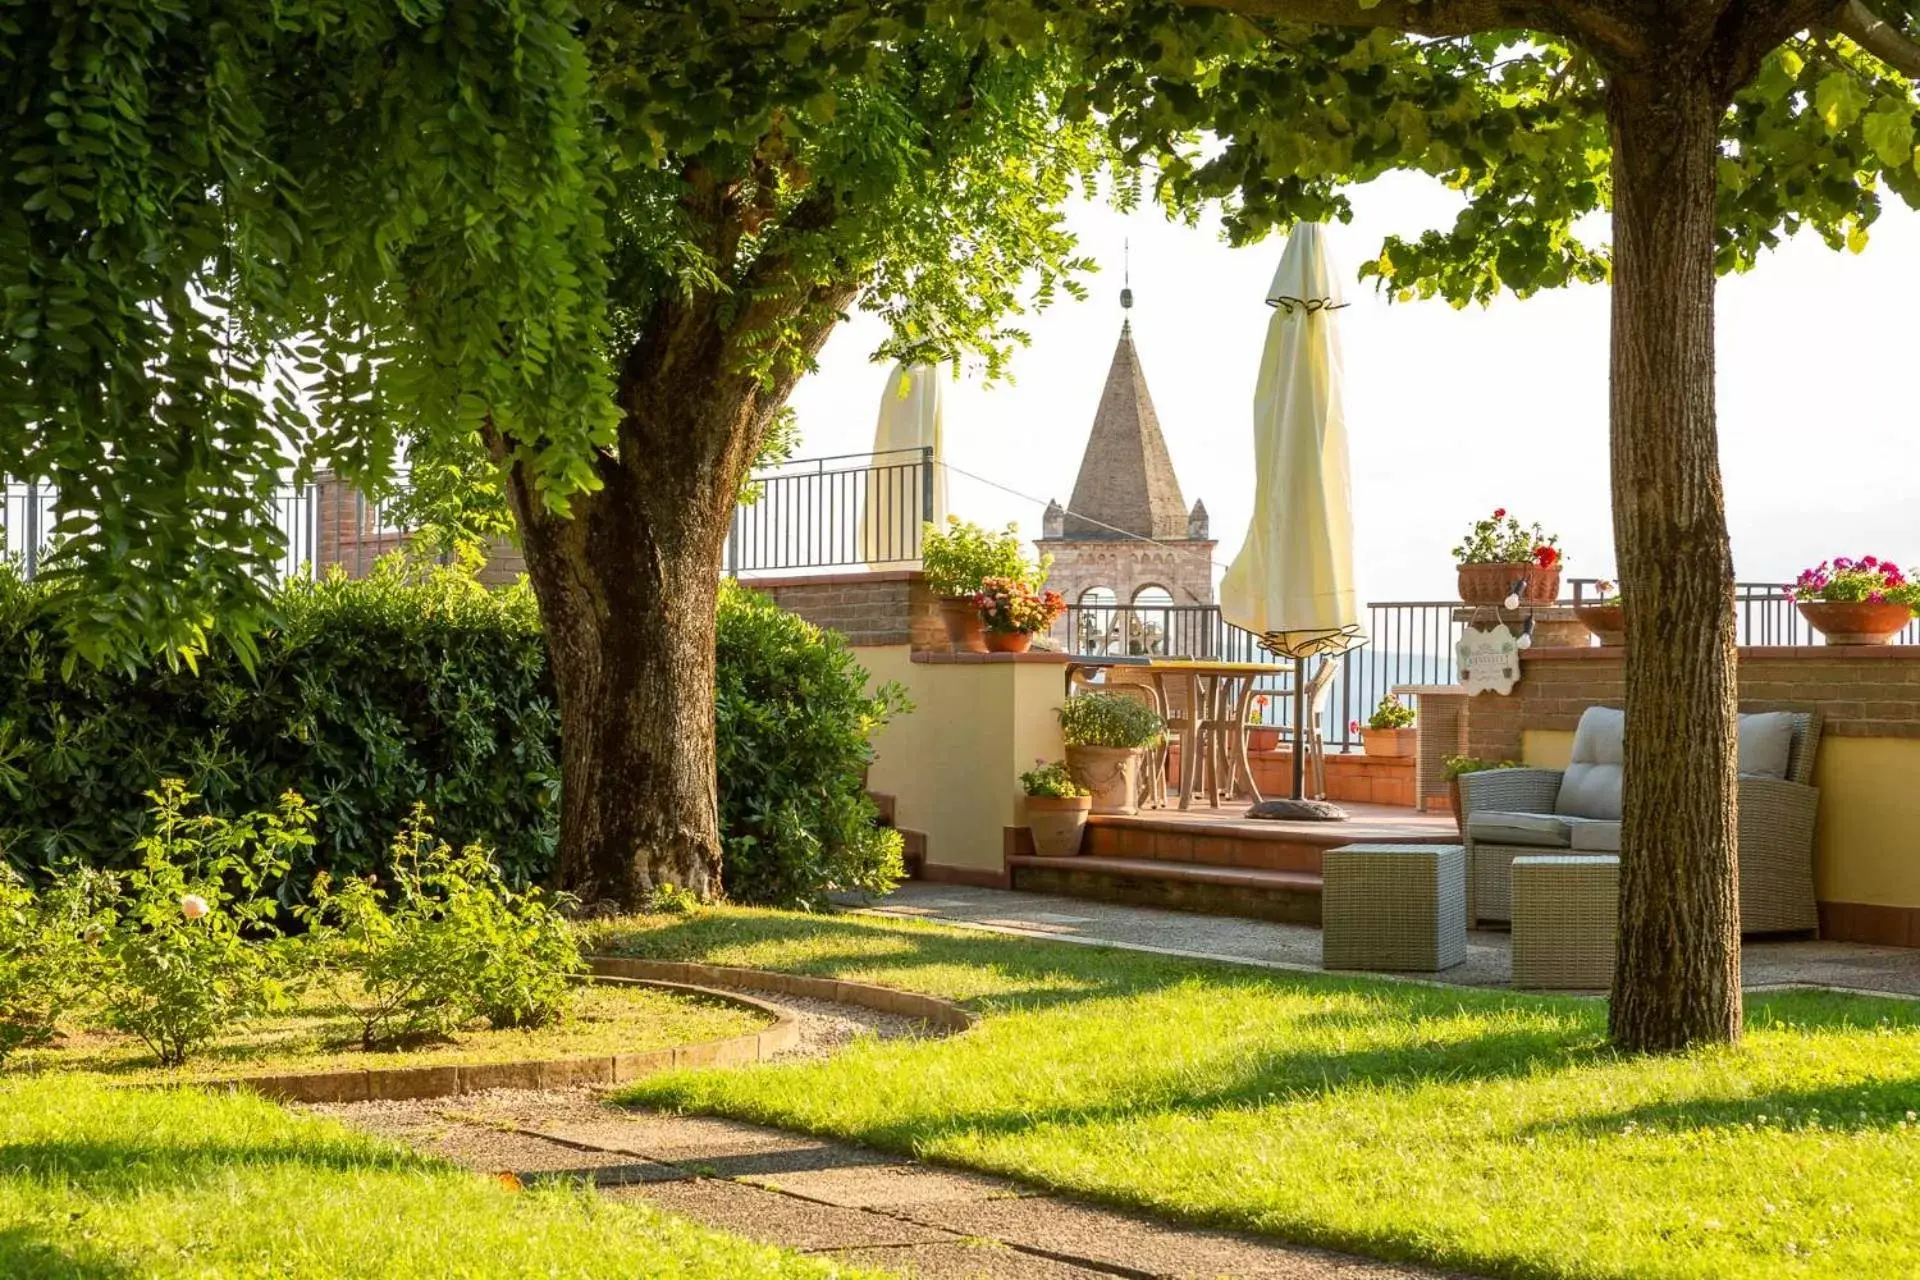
{"x": 1394, "y": 907}
{"x": 1566, "y": 921}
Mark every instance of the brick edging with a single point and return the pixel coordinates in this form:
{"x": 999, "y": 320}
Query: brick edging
{"x": 907, "y": 1004}
{"x": 395, "y": 1084}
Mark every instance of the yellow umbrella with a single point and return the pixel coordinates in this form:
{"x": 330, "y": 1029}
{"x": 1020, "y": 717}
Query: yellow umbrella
{"x": 1292, "y": 583}
{"x": 899, "y": 496}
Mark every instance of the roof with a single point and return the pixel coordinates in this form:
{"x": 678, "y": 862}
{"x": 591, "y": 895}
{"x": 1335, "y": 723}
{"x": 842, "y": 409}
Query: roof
{"x": 1126, "y": 476}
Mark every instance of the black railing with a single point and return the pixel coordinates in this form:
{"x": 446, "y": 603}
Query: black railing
{"x": 851, "y": 511}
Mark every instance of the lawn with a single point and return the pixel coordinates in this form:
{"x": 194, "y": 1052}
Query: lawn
{"x": 1487, "y": 1131}
{"x": 318, "y": 1036}
{"x": 98, "y": 1183}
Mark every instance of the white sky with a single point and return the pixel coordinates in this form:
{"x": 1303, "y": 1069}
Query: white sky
{"x": 1450, "y": 413}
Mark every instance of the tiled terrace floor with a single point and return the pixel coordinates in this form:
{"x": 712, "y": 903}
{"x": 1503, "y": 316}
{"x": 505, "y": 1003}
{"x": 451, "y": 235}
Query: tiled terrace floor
{"x": 1844, "y": 965}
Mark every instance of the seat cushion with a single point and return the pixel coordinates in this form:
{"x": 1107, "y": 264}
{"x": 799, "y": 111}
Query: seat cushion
{"x": 1595, "y": 835}
{"x": 1590, "y": 788}
{"x": 1766, "y": 743}
{"x": 1540, "y": 830}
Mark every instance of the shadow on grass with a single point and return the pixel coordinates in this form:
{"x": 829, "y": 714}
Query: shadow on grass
{"x": 28, "y": 1254}
{"x": 113, "y": 1166}
{"x": 1847, "y": 1108}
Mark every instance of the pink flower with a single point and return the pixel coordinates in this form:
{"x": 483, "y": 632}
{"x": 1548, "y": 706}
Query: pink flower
{"x": 1353, "y": 726}
{"x": 193, "y": 906}
{"x": 1499, "y": 513}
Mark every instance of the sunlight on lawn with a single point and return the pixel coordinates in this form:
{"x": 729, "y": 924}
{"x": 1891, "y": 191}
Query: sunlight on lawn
{"x": 1484, "y": 1130}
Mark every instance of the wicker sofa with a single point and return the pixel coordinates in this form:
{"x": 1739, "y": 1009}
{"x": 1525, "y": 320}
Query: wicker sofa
{"x": 1507, "y": 813}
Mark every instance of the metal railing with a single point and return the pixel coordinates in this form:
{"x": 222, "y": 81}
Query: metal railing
{"x": 844, "y": 512}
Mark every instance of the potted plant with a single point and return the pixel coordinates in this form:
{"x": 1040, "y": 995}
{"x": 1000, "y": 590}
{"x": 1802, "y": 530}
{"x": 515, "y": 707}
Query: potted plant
{"x": 1454, "y": 768}
{"x": 1057, "y": 808}
{"x": 957, "y": 560}
{"x": 1389, "y": 730}
{"x": 1011, "y": 611}
{"x": 1606, "y": 617}
{"x": 1106, "y": 735}
{"x": 1502, "y": 561}
{"x": 1864, "y": 601}
{"x": 1263, "y": 736}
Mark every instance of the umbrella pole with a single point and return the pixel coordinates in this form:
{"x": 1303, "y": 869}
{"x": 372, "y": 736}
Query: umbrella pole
{"x": 1299, "y": 728}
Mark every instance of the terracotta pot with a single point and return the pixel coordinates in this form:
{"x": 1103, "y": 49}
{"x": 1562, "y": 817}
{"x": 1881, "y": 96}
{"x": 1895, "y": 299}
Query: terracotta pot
{"x": 1608, "y": 622}
{"x": 966, "y": 633}
{"x": 1057, "y": 823}
{"x": 1009, "y": 641}
{"x": 1856, "y": 622}
{"x": 1263, "y": 739}
{"x": 1112, "y": 774}
{"x": 1543, "y": 585}
{"x": 1388, "y": 743}
{"x": 1490, "y": 583}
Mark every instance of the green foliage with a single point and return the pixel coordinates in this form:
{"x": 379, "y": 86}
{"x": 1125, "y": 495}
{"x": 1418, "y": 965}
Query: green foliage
{"x": 959, "y": 559}
{"x": 188, "y": 948}
{"x": 415, "y": 685}
{"x": 672, "y": 900}
{"x": 1391, "y": 713}
{"x": 1452, "y": 767}
{"x": 1502, "y": 539}
{"x": 1109, "y": 720}
{"x": 450, "y": 943}
{"x": 49, "y": 957}
{"x": 1050, "y": 778}
{"x": 794, "y": 721}
{"x": 1868, "y": 580}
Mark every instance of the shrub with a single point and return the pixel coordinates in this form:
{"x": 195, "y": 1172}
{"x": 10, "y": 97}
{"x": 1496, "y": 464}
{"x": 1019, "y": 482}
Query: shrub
{"x": 1391, "y": 713}
{"x": 450, "y": 943}
{"x": 793, "y": 716}
{"x": 1109, "y": 720}
{"x": 1868, "y": 580}
{"x": 1051, "y": 779}
{"x": 959, "y": 559}
{"x": 49, "y": 960}
{"x": 1452, "y": 767}
{"x": 180, "y": 965}
{"x": 413, "y": 685}
{"x": 1502, "y": 539}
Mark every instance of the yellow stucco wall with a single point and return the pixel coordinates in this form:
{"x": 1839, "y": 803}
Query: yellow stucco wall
{"x": 1867, "y": 846}
{"x": 954, "y": 763}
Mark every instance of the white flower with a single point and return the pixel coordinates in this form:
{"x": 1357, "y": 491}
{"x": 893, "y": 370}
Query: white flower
{"x": 193, "y": 906}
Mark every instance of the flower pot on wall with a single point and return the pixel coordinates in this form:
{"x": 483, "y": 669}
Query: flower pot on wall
{"x": 1388, "y": 743}
{"x": 1543, "y": 584}
{"x": 1263, "y": 738}
{"x": 1057, "y": 823}
{"x": 1608, "y": 622}
{"x": 1855, "y": 621}
{"x": 1009, "y": 641}
{"x": 1111, "y": 774}
{"x": 966, "y": 633}
{"x": 1489, "y": 584}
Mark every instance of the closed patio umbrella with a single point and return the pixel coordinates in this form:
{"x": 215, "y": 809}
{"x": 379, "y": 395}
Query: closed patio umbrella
{"x": 899, "y": 495}
{"x": 1292, "y": 583}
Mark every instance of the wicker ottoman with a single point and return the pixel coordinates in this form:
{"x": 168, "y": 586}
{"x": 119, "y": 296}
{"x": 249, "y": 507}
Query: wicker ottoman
{"x": 1566, "y": 918}
{"x": 1394, "y": 907}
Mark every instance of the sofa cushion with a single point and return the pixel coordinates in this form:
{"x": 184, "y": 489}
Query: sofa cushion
{"x": 1590, "y": 787}
{"x": 1766, "y": 744}
{"x": 1595, "y": 835}
{"x": 1539, "y": 830}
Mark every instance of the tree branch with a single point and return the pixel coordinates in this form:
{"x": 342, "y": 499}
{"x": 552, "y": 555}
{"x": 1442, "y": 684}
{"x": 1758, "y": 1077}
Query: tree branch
{"x": 1598, "y": 26}
{"x": 1880, "y": 38}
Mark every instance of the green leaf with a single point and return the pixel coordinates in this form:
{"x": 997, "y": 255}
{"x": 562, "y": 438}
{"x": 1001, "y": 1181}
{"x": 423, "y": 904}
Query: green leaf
{"x": 1840, "y": 98}
{"x": 1889, "y": 131}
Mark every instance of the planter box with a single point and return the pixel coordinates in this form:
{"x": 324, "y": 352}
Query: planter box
{"x": 1389, "y": 743}
{"x": 1855, "y": 622}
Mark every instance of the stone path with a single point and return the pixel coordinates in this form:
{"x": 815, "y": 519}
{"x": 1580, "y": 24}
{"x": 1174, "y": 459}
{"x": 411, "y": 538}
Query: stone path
{"x": 860, "y": 1207}
{"x": 1842, "y": 965}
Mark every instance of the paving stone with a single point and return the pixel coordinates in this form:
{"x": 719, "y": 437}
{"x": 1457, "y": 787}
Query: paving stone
{"x": 968, "y": 1260}
{"x": 491, "y": 1150}
{"x": 1123, "y": 1240}
{"x": 772, "y": 1218}
{"x": 887, "y": 1186}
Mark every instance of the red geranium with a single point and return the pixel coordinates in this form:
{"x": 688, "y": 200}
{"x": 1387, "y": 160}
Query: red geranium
{"x": 1546, "y": 556}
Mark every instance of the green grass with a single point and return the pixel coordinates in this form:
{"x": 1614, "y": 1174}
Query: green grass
{"x": 316, "y": 1036}
{"x": 1487, "y": 1131}
{"x": 100, "y": 1183}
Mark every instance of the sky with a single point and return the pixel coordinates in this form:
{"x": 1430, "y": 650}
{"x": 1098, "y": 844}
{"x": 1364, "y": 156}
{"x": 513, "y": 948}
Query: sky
{"x": 1450, "y": 413}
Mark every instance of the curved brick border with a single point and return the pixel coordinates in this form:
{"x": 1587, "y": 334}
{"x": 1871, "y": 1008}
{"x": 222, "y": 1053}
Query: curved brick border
{"x": 373, "y": 1084}
{"x": 940, "y": 1013}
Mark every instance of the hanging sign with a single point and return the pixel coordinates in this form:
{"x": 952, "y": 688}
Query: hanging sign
{"x": 1488, "y": 659}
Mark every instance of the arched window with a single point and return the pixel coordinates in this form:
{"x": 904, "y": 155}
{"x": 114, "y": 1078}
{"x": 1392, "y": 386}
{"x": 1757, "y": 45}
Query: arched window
{"x": 1096, "y": 627}
{"x": 1151, "y": 621}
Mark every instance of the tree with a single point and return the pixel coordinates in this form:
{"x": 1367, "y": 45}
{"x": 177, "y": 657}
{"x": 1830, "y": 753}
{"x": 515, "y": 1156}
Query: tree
{"x": 1709, "y": 129}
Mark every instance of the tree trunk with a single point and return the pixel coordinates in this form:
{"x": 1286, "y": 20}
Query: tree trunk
{"x": 627, "y": 600}
{"x": 1678, "y": 977}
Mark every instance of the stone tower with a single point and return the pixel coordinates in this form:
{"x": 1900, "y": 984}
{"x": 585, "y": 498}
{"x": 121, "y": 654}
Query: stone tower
{"x": 1127, "y": 537}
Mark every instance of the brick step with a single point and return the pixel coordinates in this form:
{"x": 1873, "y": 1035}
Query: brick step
{"x": 1173, "y": 836}
{"x": 913, "y": 851}
{"x": 889, "y": 807}
{"x": 1289, "y": 896}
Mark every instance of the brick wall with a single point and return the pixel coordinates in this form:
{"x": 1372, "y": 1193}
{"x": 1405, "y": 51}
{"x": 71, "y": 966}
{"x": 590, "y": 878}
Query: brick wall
{"x": 888, "y": 607}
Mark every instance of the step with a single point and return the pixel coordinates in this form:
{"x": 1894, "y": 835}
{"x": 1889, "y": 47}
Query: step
{"x": 887, "y": 805}
{"x": 1289, "y": 896}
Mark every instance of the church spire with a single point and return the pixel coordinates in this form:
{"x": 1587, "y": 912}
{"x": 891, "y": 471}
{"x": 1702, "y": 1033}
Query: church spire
{"x": 1126, "y": 483}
